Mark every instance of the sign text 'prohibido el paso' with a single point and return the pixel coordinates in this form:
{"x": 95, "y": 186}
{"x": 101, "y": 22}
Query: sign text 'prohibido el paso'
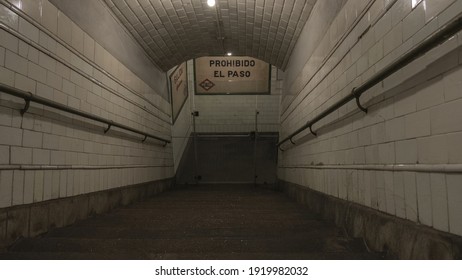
{"x": 231, "y": 75}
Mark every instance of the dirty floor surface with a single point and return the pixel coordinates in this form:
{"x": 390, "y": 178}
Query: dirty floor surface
{"x": 198, "y": 222}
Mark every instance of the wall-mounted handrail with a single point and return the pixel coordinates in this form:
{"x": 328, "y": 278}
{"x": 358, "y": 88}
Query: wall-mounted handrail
{"x": 29, "y": 97}
{"x": 437, "y": 38}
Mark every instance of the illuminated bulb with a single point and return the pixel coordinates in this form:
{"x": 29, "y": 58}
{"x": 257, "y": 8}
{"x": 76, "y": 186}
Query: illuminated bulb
{"x": 211, "y": 3}
{"x": 229, "y": 54}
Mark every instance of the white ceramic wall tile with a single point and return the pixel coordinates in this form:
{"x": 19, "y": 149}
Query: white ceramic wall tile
{"x": 433, "y": 149}
{"x": 62, "y": 183}
{"x": 36, "y": 72}
{"x": 418, "y": 124}
{"x": 367, "y": 188}
{"x": 6, "y": 116}
{"x": 445, "y": 118}
{"x": 406, "y": 151}
{"x": 68, "y": 88}
{"x": 54, "y": 80}
{"x": 77, "y": 182}
{"x": 454, "y": 141}
{"x": 28, "y": 30}
{"x": 4, "y": 154}
{"x": 2, "y": 56}
{"x": 376, "y": 53}
{"x": 399, "y": 194}
{"x": 70, "y": 183}
{"x": 380, "y": 193}
{"x": 38, "y": 186}
{"x": 453, "y": 84}
{"x": 77, "y": 38}
{"x": 414, "y": 21}
{"x": 410, "y": 193}
{"x": 333, "y": 185}
{"x": 24, "y": 83}
{"x": 64, "y": 28}
{"x": 424, "y": 199}
{"x": 431, "y": 95}
{"x": 389, "y": 193}
{"x": 63, "y": 71}
{"x": 6, "y": 189}
{"x": 454, "y": 188}
{"x": 6, "y": 76}
{"x": 20, "y": 155}
{"x": 48, "y": 43}
{"x": 47, "y": 185}
{"x": 393, "y": 39}
{"x": 399, "y": 11}
{"x": 10, "y": 136}
{"x": 15, "y": 63}
{"x": 54, "y": 188}
{"x": 9, "y": 41}
{"x": 18, "y": 187}
{"x": 47, "y": 62}
{"x": 395, "y": 129}
{"x": 49, "y": 16}
{"x": 387, "y": 153}
{"x": 378, "y": 133}
{"x": 89, "y": 48}
{"x": 23, "y": 49}
{"x": 29, "y": 177}
{"x": 405, "y": 104}
{"x": 433, "y": 8}
{"x": 439, "y": 202}
{"x": 32, "y": 139}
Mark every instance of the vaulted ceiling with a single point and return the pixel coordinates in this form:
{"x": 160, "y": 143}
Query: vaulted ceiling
{"x": 172, "y": 31}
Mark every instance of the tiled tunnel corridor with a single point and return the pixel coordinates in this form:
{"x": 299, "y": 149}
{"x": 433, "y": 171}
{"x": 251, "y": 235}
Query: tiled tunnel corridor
{"x": 231, "y": 129}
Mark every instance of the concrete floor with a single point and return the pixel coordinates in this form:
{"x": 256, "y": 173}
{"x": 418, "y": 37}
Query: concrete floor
{"x": 198, "y": 222}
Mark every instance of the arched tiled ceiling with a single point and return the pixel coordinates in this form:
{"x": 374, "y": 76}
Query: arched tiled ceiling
{"x": 172, "y": 31}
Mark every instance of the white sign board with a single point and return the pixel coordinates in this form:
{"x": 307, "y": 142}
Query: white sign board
{"x": 231, "y": 75}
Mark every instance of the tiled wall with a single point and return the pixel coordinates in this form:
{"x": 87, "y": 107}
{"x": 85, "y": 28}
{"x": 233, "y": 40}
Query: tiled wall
{"x": 181, "y": 131}
{"x": 404, "y": 156}
{"x": 322, "y": 15}
{"x": 225, "y": 113}
{"x": 236, "y": 113}
{"x": 97, "y": 20}
{"x": 48, "y": 154}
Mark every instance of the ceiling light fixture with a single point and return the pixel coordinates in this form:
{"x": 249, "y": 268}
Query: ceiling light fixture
{"x": 211, "y": 3}
{"x": 229, "y": 54}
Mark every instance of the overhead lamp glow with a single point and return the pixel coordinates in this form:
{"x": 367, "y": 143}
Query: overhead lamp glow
{"x": 229, "y": 54}
{"x": 211, "y": 3}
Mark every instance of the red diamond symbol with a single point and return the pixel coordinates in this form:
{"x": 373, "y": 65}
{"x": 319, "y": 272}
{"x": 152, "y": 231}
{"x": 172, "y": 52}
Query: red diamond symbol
{"x": 207, "y": 84}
